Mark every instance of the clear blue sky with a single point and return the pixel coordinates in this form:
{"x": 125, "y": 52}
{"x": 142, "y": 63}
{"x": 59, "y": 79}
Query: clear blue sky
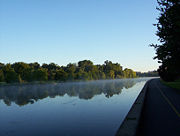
{"x": 64, "y": 31}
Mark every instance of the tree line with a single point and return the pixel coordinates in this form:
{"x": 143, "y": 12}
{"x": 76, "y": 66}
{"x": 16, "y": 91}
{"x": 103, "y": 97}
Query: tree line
{"x": 147, "y": 74}
{"x": 168, "y": 51}
{"x": 83, "y": 70}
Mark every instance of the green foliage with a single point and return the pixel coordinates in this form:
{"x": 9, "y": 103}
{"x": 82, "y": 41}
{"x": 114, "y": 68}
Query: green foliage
{"x": 70, "y": 69}
{"x": 10, "y": 75}
{"x": 168, "y": 52}
{"x": 84, "y": 70}
{"x": 128, "y": 73}
{"x": 1, "y": 65}
{"x": 19, "y": 67}
{"x": 102, "y": 75}
{"x": 1, "y": 76}
{"x": 40, "y": 75}
{"x": 110, "y": 74}
{"x": 27, "y": 74}
{"x": 23, "y": 70}
{"x": 61, "y": 75}
{"x": 51, "y": 66}
{"x": 34, "y": 65}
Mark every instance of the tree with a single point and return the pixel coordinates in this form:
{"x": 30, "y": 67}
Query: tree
{"x": 1, "y": 65}
{"x": 94, "y": 72}
{"x": 1, "y": 76}
{"x": 168, "y": 52}
{"x": 22, "y": 69}
{"x": 53, "y": 66}
{"x": 115, "y": 67}
{"x": 79, "y": 73}
{"x": 35, "y": 65}
{"x": 148, "y": 74}
{"x": 10, "y": 75}
{"x": 61, "y": 75}
{"x": 70, "y": 69}
{"x": 129, "y": 73}
{"x": 85, "y": 65}
{"x": 19, "y": 67}
{"x": 28, "y": 74}
{"x": 102, "y": 75}
{"x": 84, "y": 70}
{"x": 111, "y": 74}
{"x": 40, "y": 74}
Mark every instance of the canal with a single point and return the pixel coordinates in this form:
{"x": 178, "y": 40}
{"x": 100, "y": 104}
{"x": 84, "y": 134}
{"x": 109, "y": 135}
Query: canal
{"x": 67, "y": 109}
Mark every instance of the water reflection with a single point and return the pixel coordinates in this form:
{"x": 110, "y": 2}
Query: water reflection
{"x": 25, "y": 94}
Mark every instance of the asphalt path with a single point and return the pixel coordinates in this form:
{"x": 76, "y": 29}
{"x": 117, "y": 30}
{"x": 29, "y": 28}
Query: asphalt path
{"x": 161, "y": 112}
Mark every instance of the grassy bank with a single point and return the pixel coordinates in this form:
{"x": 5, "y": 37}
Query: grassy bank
{"x": 175, "y": 84}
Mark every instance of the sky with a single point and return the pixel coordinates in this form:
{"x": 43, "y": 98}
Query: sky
{"x": 64, "y": 31}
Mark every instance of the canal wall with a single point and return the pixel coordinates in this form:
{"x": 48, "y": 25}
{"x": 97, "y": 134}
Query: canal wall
{"x": 131, "y": 122}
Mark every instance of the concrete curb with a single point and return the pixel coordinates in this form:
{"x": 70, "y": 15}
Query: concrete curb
{"x": 130, "y": 124}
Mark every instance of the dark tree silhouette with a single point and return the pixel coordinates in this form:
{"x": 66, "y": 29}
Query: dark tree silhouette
{"x": 168, "y": 52}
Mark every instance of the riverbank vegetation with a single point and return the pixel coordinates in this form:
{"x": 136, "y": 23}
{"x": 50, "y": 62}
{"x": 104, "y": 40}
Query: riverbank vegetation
{"x": 147, "y": 74}
{"x": 168, "y": 51}
{"x": 175, "y": 84}
{"x": 21, "y": 72}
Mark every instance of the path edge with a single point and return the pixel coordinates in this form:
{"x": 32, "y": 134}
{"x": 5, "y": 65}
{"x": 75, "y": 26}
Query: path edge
{"x": 131, "y": 122}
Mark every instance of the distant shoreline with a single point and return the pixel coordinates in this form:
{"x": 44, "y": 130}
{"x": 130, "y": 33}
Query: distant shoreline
{"x": 56, "y": 82}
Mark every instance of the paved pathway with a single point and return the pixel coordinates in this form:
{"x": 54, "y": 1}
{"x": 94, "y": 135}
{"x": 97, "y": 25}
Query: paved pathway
{"x": 161, "y": 114}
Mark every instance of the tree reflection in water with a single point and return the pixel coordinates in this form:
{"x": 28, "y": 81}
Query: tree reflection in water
{"x": 25, "y": 94}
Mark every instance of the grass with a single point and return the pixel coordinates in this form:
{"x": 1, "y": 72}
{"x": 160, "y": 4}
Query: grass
{"x": 175, "y": 84}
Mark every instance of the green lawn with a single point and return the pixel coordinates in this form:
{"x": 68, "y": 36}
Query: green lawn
{"x": 175, "y": 84}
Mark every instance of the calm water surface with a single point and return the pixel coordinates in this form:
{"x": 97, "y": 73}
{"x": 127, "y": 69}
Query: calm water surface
{"x": 94, "y": 108}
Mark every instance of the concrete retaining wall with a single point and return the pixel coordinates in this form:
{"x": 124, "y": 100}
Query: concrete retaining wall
{"x": 131, "y": 122}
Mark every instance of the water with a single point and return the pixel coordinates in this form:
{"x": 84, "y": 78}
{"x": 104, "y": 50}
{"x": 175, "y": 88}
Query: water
{"x": 91, "y": 108}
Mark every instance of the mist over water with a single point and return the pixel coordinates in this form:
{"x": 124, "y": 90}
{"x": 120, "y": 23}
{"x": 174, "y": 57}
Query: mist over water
{"x": 72, "y": 108}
